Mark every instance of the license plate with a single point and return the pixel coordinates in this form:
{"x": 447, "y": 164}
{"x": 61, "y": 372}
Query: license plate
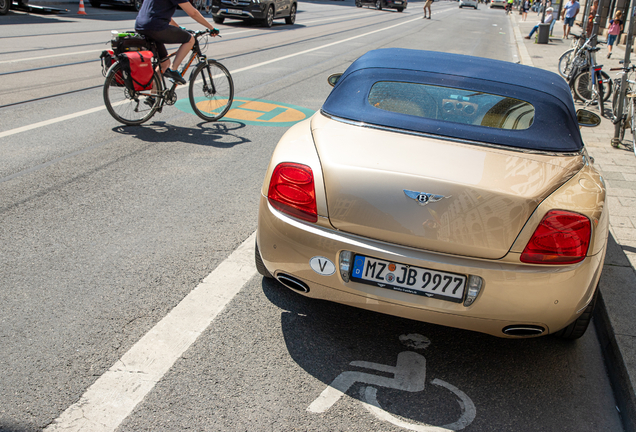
{"x": 234, "y": 11}
{"x": 409, "y": 279}
{"x": 398, "y": 2}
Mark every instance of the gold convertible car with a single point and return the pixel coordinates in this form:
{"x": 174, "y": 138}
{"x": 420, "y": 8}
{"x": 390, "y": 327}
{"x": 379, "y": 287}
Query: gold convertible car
{"x": 443, "y": 188}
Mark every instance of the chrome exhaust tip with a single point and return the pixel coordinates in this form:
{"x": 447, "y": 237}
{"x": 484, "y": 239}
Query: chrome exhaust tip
{"x": 293, "y": 283}
{"x": 523, "y": 330}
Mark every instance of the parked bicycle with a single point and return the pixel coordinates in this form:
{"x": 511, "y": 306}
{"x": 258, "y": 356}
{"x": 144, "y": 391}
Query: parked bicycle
{"x": 626, "y": 119}
{"x": 572, "y": 55}
{"x": 588, "y": 81}
{"x": 211, "y": 89}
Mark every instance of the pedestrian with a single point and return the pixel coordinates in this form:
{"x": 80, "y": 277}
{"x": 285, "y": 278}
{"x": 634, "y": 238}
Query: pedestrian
{"x": 155, "y": 21}
{"x": 526, "y": 6}
{"x": 427, "y": 6}
{"x": 570, "y": 11}
{"x": 590, "y": 18}
{"x": 615, "y": 28}
{"x": 548, "y": 20}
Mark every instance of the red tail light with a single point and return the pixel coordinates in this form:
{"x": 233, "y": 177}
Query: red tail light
{"x": 291, "y": 190}
{"x": 562, "y": 237}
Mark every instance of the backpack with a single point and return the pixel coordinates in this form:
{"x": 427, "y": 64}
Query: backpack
{"x": 137, "y": 68}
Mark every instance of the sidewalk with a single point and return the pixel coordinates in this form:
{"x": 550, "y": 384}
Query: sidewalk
{"x": 616, "y": 309}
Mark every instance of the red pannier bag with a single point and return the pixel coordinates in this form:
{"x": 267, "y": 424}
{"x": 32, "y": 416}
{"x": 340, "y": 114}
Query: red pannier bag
{"x": 108, "y": 58}
{"x": 138, "y": 70}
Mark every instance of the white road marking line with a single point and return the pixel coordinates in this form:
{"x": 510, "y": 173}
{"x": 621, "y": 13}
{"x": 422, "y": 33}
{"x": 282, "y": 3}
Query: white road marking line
{"x": 52, "y": 55}
{"x": 108, "y": 47}
{"x": 92, "y": 110}
{"x": 116, "y": 393}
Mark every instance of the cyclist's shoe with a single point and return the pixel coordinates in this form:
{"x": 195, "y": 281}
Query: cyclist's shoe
{"x": 150, "y": 101}
{"x": 175, "y": 75}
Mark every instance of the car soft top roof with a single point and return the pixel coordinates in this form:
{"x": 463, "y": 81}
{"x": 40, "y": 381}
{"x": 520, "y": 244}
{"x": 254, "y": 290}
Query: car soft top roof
{"x": 554, "y": 129}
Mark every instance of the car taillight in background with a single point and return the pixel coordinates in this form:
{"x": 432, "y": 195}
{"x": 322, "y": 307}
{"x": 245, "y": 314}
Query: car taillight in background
{"x": 291, "y": 190}
{"x": 562, "y": 237}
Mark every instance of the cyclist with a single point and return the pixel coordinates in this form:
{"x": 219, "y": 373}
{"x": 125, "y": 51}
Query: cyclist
{"x": 155, "y": 21}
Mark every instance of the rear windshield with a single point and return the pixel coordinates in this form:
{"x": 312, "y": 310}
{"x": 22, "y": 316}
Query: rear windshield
{"x": 452, "y": 105}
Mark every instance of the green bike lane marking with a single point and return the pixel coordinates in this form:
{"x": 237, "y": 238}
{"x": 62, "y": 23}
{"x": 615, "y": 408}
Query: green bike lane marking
{"x": 252, "y": 111}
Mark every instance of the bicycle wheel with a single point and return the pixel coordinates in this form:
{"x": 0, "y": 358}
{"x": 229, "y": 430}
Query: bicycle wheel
{"x": 581, "y": 87}
{"x": 126, "y": 106}
{"x": 582, "y": 91}
{"x": 608, "y": 86}
{"x": 565, "y": 62}
{"x": 211, "y": 90}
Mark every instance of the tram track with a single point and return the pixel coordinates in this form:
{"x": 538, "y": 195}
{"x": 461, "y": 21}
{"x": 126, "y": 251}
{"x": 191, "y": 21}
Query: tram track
{"x": 235, "y": 55}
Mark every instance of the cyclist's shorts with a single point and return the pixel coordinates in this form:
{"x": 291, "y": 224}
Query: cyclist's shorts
{"x": 169, "y": 35}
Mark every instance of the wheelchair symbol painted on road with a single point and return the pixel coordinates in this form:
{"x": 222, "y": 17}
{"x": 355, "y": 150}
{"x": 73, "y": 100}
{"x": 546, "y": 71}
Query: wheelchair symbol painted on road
{"x": 252, "y": 111}
{"x": 409, "y": 374}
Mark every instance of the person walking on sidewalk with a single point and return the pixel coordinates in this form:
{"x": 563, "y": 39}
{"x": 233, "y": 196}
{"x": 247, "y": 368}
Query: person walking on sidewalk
{"x": 524, "y": 11}
{"x": 570, "y": 11}
{"x": 155, "y": 21}
{"x": 590, "y": 18}
{"x": 615, "y": 28}
{"x": 427, "y": 5}
{"x": 548, "y": 20}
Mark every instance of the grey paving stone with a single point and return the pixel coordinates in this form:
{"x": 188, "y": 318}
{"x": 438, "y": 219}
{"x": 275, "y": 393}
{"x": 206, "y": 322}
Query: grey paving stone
{"x": 628, "y": 202}
{"x": 613, "y": 175}
{"x": 621, "y": 221}
{"x": 618, "y": 192}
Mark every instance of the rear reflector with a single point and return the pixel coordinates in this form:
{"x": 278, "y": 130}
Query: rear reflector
{"x": 291, "y": 190}
{"x": 562, "y": 237}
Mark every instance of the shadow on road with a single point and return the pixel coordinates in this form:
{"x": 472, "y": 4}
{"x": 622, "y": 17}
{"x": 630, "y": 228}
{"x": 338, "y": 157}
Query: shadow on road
{"x": 220, "y": 134}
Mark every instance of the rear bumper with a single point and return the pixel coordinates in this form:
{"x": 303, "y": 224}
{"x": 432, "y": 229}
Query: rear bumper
{"x": 512, "y": 294}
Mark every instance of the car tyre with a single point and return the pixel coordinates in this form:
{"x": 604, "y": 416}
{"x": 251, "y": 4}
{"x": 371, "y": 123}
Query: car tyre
{"x": 378, "y": 4}
{"x": 137, "y": 4}
{"x": 4, "y": 7}
{"x": 291, "y": 19}
{"x": 218, "y": 20}
{"x": 579, "y": 326}
{"x": 400, "y": 9}
{"x": 95, "y": 4}
{"x": 269, "y": 17}
{"x": 358, "y": 4}
{"x": 260, "y": 267}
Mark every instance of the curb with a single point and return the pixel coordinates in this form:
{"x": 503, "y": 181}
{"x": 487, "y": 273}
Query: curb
{"x": 616, "y": 367}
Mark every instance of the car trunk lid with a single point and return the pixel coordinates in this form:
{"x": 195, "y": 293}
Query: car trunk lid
{"x": 430, "y": 193}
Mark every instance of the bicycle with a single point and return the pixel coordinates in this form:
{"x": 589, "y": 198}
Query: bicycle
{"x": 211, "y": 89}
{"x": 590, "y": 83}
{"x": 568, "y": 58}
{"x": 626, "y": 119}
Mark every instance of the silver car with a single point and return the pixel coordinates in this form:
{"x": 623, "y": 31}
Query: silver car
{"x": 468, "y": 3}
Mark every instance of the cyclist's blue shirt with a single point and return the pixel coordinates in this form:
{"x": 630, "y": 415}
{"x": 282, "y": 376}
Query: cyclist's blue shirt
{"x": 156, "y": 14}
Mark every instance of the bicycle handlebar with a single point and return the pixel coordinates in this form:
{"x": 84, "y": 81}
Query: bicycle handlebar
{"x": 199, "y": 33}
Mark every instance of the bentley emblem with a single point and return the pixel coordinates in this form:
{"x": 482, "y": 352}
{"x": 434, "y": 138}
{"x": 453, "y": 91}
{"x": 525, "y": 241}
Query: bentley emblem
{"x": 424, "y": 198}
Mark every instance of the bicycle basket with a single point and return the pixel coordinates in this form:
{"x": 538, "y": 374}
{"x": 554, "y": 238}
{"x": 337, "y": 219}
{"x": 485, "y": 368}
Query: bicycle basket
{"x": 128, "y": 41}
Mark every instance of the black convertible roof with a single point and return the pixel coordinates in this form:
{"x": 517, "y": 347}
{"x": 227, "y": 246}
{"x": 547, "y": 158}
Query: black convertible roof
{"x": 554, "y": 127}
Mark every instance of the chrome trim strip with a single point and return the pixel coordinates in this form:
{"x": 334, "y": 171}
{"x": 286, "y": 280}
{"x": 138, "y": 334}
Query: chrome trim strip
{"x": 445, "y": 138}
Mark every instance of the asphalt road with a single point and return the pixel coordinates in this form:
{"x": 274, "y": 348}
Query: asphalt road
{"x": 105, "y": 229}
